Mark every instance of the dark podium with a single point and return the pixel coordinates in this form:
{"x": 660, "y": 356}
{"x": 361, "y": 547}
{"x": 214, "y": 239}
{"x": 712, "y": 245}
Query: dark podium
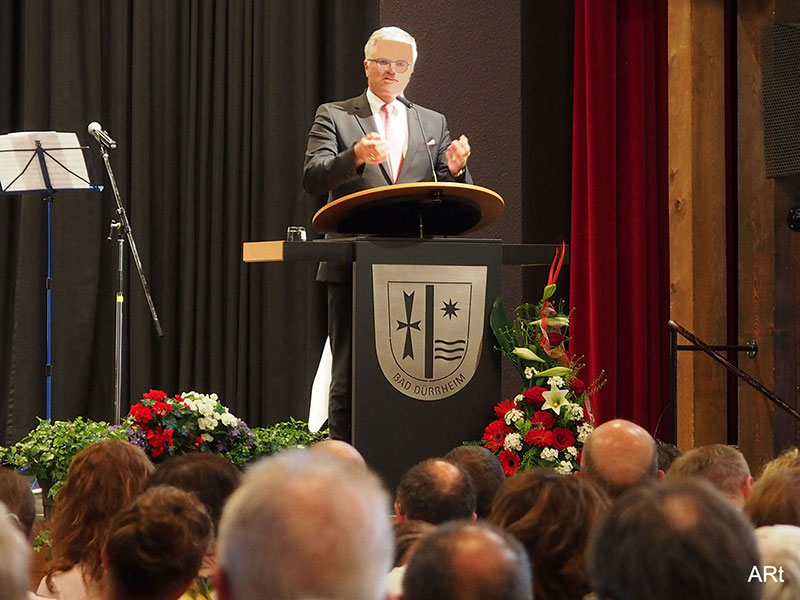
{"x": 425, "y": 376}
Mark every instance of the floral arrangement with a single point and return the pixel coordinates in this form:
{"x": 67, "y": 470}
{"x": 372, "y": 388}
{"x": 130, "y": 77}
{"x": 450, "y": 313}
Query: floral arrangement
{"x": 548, "y": 422}
{"x": 191, "y": 421}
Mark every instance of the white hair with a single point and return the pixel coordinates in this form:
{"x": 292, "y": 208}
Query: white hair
{"x": 15, "y": 558}
{"x": 394, "y": 34}
{"x": 779, "y": 546}
{"x": 307, "y": 525}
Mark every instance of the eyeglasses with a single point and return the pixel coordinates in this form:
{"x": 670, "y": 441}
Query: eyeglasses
{"x": 401, "y": 66}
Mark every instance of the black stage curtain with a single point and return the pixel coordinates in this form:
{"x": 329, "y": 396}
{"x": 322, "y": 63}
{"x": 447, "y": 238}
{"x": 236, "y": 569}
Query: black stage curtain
{"x": 210, "y": 102}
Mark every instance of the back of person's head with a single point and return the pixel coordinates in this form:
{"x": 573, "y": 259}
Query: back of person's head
{"x": 680, "y": 539}
{"x": 435, "y": 491}
{"x": 340, "y": 449}
{"x": 305, "y": 525}
{"x": 619, "y": 456}
{"x": 788, "y": 459}
{"x": 208, "y": 476}
{"x": 485, "y": 470}
{"x": 15, "y": 558}
{"x": 407, "y": 535}
{"x": 775, "y": 499}
{"x": 779, "y": 546}
{"x": 724, "y": 466}
{"x": 468, "y": 560}
{"x": 102, "y": 478}
{"x": 667, "y": 454}
{"x": 156, "y": 544}
{"x": 552, "y": 516}
{"x": 16, "y": 494}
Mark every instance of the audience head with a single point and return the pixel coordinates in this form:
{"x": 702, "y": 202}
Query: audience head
{"x": 484, "y": 469}
{"x": 680, "y": 539}
{"x": 305, "y": 525}
{"x": 407, "y": 535}
{"x": 779, "y": 546}
{"x": 619, "y": 456}
{"x": 552, "y": 516}
{"x": 724, "y": 466}
{"x": 340, "y": 449}
{"x": 210, "y": 477}
{"x": 16, "y": 494}
{"x": 667, "y": 454}
{"x": 775, "y": 499}
{"x": 468, "y": 560}
{"x": 102, "y": 478}
{"x": 789, "y": 459}
{"x": 435, "y": 491}
{"x": 15, "y": 558}
{"x": 156, "y": 544}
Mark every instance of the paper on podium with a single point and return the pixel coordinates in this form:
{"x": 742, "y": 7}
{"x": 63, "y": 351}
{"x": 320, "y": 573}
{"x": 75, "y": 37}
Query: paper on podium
{"x": 21, "y": 171}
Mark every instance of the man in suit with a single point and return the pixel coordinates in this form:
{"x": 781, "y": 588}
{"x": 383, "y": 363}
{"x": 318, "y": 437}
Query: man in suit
{"x": 365, "y": 142}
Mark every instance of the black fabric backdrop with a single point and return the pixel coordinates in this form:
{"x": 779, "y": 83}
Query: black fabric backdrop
{"x": 210, "y": 103}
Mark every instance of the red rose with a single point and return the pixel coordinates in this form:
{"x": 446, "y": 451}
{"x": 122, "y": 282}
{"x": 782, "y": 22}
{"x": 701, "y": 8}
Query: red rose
{"x": 141, "y": 414}
{"x": 534, "y": 395}
{"x": 562, "y": 438}
{"x": 154, "y": 395}
{"x": 539, "y": 437}
{"x": 501, "y": 409}
{"x": 577, "y": 386}
{"x": 510, "y": 462}
{"x": 495, "y": 434}
{"x": 543, "y": 418}
{"x": 555, "y": 338}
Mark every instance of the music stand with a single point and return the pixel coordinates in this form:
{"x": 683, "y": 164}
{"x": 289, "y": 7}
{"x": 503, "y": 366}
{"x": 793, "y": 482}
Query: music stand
{"x": 45, "y": 162}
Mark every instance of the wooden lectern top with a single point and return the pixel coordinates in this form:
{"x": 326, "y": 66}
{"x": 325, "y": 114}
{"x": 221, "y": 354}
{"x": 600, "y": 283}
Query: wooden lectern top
{"x": 444, "y": 208}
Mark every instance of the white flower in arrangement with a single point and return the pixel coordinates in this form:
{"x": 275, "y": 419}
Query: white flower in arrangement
{"x": 513, "y": 441}
{"x": 584, "y": 431}
{"x": 549, "y": 454}
{"x": 190, "y": 404}
{"x": 228, "y": 419}
{"x": 564, "y": 467}
{"x": 207, "y": 423}
{"x": 555, "y": 399}
{"x": 574, "y": 412}
{"x": 206, "y": 437}
{"x": 555, "y": 381}
{"x": 572, "y": 451}
{"x": 518, "y": 399}
{"x": 513, "y": 416}
{"x": 530, "y": 372}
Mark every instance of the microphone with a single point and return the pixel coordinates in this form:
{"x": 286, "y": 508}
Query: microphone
{"x": 405, "y": 102}
{"x": 97, "y": 132}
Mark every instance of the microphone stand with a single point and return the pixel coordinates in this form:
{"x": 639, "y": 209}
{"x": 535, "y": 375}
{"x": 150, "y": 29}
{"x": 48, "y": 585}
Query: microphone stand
{"x": 120, "y": 227}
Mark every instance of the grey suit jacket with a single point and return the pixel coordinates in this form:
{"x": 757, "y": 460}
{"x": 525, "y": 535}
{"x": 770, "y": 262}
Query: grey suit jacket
{"x": 330, "y": 164}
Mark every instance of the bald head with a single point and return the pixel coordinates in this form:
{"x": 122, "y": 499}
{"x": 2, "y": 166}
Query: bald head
{"x": 618, "y": 456}
{"x": 435, "y": 491}
{"x": 340, "y": 450}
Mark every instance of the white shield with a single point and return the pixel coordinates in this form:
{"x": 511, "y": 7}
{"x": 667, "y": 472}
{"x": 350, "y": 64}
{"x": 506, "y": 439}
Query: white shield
{"x": 429, "y": 324}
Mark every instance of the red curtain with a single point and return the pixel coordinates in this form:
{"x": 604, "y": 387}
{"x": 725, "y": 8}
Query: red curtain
{"x": 619, "y": 242}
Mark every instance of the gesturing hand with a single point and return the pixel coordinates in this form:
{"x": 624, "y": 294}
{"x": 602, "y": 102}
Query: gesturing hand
{"x": 371, "y": 149}
{"x": 457, "y": 155}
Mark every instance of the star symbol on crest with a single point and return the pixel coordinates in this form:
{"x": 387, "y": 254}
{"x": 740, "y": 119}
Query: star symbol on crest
{"x": 450, "y": 309}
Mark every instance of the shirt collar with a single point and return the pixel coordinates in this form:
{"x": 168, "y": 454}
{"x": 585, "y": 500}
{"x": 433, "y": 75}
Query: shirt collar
{"x": 376, "y": 103}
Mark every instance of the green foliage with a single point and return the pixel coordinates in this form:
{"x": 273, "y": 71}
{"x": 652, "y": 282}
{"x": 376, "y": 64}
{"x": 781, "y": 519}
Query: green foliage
{"x": 289, "y": 434}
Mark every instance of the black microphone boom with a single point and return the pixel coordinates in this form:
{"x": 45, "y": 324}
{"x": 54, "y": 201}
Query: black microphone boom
{"x": 97, "y": 132}
{"x": 405, "y": 102}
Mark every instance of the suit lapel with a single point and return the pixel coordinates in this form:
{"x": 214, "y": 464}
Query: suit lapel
{"x": 366, "y": 121}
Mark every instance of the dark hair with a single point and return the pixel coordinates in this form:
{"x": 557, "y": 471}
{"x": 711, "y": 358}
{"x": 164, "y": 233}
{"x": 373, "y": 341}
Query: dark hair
{"x": 678, "y": 539}
{"x": 486, "y": 472}
{"x": 775, "y": 499}
{"x": 667, "y": 454}
{"x": 210, "y": 477}
{"x": 407, "y": 535}
{"x": 156, "y": 545}
{"x": 443, "y": 565}
{"x": 552, "y": 516}
{"x": 436, "y": 491}
{"x": 16, "y": 494}
{"x": 102, "y": 479}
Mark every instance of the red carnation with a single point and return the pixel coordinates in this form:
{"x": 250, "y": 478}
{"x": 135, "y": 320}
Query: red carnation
{"x": 501, "y": 409}
{"x": 141, "y": 414}
{"x": 510, "y": 462}
{"x": 534, "y": 395}
{"x": 554, "y": 338}
{"x": 495, "y": 434}
{"x": 543, "y": 419}
{"x": 539, "y": 437}
{"x": 154, "y": 395}
{"x": 562, "y": 438}
{"x": 577, "y": 386}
